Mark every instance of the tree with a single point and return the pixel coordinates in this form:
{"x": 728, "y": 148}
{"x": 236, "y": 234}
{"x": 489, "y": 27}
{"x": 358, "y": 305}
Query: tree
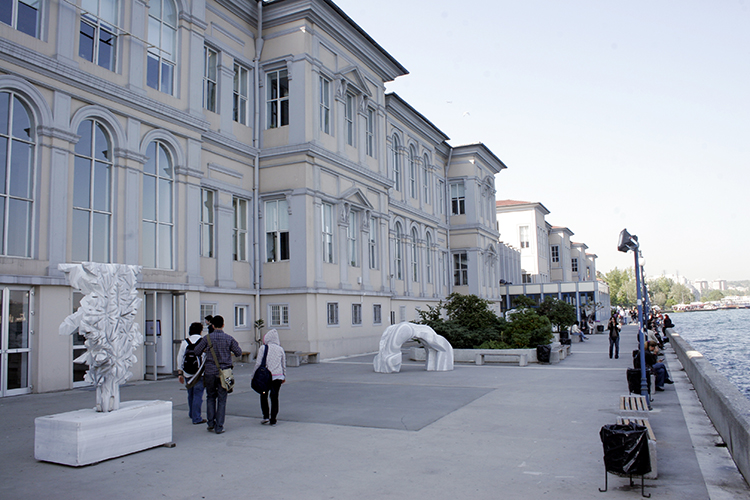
{"x": 561, "y": 314}
{"x": 712, "y": 295}
{"x": 621, "y": 286}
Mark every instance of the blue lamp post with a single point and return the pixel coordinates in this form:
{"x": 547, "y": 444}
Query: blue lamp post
{"x": 626, "y": 243}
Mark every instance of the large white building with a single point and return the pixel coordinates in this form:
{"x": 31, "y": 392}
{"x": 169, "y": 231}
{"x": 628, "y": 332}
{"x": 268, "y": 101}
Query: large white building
{"x": 245, "y": 154}
{"x": 551, "y": 263}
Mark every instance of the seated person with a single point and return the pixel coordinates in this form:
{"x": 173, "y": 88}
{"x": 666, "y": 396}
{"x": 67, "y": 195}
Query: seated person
{"x": 576, "y": 330}
{"x": 657, "y": 365}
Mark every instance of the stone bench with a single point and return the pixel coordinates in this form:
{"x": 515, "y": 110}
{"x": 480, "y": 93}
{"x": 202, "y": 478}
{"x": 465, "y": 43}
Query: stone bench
{"x": 295, "y": 358}
{"x": 522, "y": 358}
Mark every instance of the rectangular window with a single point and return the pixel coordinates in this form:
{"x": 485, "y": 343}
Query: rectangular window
{"x": 525, "y": 278}
{"x": 277, "y": 230}
{"x": 555, "y": 253}
{"x": 325, "y": 105}
{"x": 22, "y": 15}
{"x": 377, "y": 314}
{"x": 207, "y": 223}
{"x": 574, "y": 265}
{"x": 97, "y": 40}
{"x": 277, "y": 99}
{"x": 371, "y": 132}
{"x": 241, "y": 78}
{"x": 356, "y": 314}
{"x": 327, "y": 215}
{"x": 349, "y": 115}
{"x": 460, "y": 269}
{"x": 210, "y": 58}
{"x": 458, "y": 198}
{"x": 441, "y": 197}
{"x": 333, "y": 313}
{"x": 352, "y": 241}
{"x": 240, "y": 316}
{"x": 239, "y": 234}
{"x": 279, "y": 314}
{"x": 162, "y": 52}
{"x": 523, "y": 236}
{"x": 207, "y": 310}
{"x": 373, "y": 244}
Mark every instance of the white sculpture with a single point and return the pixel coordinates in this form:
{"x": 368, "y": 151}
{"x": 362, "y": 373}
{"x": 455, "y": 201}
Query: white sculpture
{"x": 107, "y": 319}
{"x": 439, "y": 353}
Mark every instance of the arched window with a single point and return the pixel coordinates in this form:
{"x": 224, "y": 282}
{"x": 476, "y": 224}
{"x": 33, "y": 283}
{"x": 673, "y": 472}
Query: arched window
{"x": 92, "y": 194}
{"x": 428, "y": 258}
{"x": 396, "y": 160}
{"x": 412, "y": 171}
{"x": 426, "y": 179}
{"x": 158, "y": 219}
{"x": 17, "y": 147}
{"x": 398, "y": 257}
{"x": 162, "y": 35}
{"x": 414, "y": 255}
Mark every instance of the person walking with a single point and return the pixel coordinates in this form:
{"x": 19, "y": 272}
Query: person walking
{"x": 190, "y": 372}
{"x": 276, "y": 364}
{"x": 224, "y": 346}
{"x": 614, "y": 337}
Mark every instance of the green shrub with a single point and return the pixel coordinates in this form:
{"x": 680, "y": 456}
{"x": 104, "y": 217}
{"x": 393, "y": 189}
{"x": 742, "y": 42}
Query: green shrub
{"x": 527, "y": 329}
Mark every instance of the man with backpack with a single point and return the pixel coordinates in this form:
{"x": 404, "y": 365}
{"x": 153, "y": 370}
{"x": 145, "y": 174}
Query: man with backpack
{"x": 191, "y": 372}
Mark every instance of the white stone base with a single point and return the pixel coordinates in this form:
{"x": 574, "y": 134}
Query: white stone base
{"x": 85, "y": 437}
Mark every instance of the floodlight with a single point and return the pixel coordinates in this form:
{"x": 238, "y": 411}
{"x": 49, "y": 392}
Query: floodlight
{"x": 627, "y": 242}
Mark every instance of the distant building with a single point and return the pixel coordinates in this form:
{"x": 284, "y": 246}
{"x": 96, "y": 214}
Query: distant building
{"x": 551, "y": 264}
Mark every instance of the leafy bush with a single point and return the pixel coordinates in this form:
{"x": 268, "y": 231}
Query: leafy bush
{"x": 527, "y": 329}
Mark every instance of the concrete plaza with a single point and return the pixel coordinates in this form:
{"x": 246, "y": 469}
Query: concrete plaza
{"x": 346, "y": 432}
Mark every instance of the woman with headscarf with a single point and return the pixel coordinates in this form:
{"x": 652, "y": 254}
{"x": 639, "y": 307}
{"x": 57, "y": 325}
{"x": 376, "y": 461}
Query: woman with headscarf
{"x": 276, "y": 364}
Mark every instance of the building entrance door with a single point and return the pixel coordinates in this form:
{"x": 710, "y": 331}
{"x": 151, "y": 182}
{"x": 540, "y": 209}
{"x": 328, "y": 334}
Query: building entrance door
{"x": 16, "y": 308}
{"x": 164, "y": 322}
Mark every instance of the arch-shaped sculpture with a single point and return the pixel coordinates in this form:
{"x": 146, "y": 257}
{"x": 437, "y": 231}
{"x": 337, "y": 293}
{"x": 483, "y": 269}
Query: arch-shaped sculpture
{"x": 439, "y": 352}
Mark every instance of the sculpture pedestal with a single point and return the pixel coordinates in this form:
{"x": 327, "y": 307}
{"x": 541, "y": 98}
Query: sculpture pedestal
{"x": 85, "y": 437}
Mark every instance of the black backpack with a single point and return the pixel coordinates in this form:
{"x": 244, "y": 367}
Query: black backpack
{"x": 191, "y": 363}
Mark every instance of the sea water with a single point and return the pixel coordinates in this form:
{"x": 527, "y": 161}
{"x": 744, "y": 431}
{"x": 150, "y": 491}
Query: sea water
{"x": 723, "y": 337}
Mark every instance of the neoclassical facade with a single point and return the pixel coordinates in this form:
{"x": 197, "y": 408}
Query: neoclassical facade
{"x": 248, "y": 157}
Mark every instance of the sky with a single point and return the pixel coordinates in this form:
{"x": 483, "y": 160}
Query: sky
{"x": 613, "y": 114}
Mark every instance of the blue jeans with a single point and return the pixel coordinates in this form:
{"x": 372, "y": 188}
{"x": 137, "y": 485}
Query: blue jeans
{"x": 661, "y": 374}
{"x": 216, "y": 402}
{"x": 616, "y": 344}
{"x": 195, "y": 400}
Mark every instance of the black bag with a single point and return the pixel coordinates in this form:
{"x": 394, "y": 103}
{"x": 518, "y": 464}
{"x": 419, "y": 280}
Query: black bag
{"x": 634, "y": 380}
{"x": 191, "y": 364}
{"x": 543, "y": 353}
{"x": 625, "y": 449}
{"x": 262, "y": 377}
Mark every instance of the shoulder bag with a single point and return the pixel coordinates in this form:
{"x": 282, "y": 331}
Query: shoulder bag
{"x": 226, "y": 376}
{"x": 262, "y": 377}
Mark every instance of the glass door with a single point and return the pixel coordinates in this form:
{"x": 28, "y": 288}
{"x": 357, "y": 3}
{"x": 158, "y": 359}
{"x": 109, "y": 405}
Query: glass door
{"x": 16, "y": 309}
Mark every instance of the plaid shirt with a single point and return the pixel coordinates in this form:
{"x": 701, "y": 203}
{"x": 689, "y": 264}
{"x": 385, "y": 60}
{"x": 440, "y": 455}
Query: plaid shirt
{"x": 224, "y": 346}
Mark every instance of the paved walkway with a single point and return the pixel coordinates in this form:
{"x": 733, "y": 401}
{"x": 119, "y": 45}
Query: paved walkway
{"x": 346, "y": 432}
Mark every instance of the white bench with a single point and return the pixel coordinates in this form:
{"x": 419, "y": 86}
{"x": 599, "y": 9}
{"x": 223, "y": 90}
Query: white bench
{"x": 295, "y": 358}
{"x": 522, "y": 358}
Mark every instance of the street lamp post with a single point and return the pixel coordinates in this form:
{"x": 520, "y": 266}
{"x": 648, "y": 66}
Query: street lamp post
{"x": 626, "y": 243}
